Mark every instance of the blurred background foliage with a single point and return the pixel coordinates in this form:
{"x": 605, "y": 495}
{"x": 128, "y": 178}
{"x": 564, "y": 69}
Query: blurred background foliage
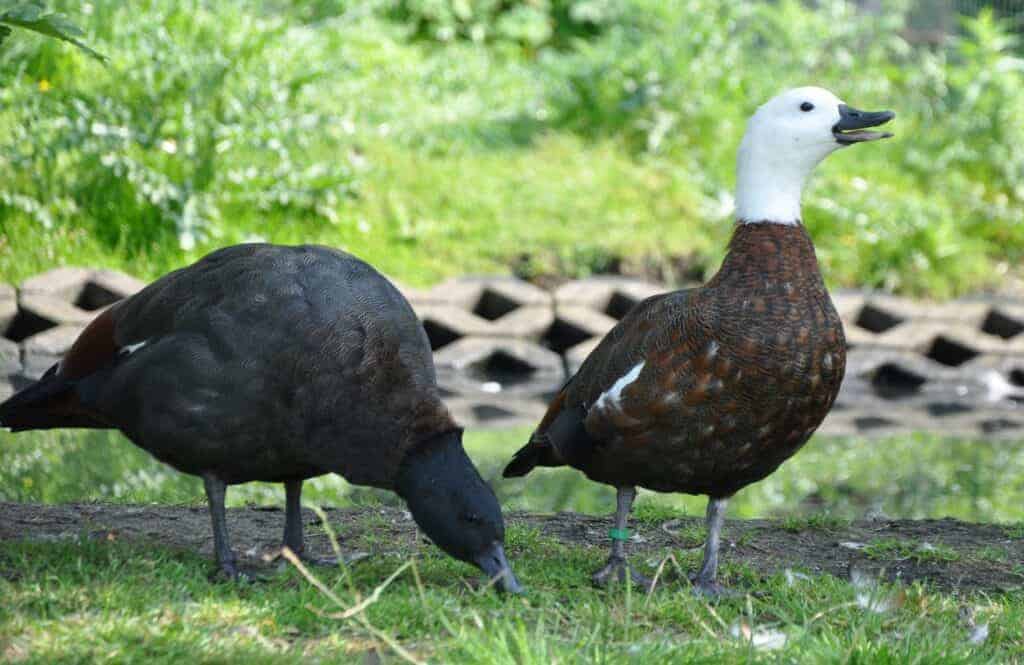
{"x": 546, "y": 137}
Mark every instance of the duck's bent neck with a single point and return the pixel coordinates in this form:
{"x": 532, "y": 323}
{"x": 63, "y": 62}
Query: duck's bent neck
{"x": 764, "y": 255}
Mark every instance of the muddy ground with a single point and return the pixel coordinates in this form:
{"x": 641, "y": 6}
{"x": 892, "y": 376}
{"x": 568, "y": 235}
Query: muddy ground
{"x": 946, "y": 554}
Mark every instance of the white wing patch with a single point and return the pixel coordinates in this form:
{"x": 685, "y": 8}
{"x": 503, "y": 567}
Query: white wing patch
{"x": 612, "y": 398}
{"x": 132, "y": 348}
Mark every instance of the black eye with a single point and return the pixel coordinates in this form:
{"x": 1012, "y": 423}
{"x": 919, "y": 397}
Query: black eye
{"x": 807, "y": 106}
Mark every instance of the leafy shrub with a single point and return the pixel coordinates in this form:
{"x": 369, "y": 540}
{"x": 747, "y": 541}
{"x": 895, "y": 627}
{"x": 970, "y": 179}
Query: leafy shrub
{"x": 918, "y": 213}
{"x": 609, "y": 143}
{"x": 532, "y": 23}
{"x": 177, "y": 136}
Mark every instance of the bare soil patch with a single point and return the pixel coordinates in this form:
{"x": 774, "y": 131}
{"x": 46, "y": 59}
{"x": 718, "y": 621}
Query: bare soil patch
{"x": 946, "y": 554}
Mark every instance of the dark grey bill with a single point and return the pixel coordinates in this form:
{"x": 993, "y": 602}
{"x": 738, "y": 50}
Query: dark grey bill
{"x": 493, "y": 562}
{"x": 852, "y": 121}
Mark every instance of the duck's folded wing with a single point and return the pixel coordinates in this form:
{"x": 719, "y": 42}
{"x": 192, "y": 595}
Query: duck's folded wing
{"x": 118, "y": 333}
{"x": 563, "y": 435}
{"x": 53, "y": 401}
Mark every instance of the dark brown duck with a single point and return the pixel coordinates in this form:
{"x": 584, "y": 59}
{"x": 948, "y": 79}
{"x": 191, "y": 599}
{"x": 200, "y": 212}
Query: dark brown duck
{"x": 706, "y": 390}
{"x": 277, "y": 364}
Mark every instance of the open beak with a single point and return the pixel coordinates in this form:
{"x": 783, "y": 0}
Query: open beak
{"x": 852, "y": 122}
{"x": 493, "y": 562}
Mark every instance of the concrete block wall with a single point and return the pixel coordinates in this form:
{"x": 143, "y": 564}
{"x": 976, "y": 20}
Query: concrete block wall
{"x": 503, "y": 347}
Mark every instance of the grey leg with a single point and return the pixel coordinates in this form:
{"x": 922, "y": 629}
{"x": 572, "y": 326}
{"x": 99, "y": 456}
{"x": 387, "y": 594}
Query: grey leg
{"x": 293, "y": 538}
{"x": 617, "y": 567}
{"x": 293, "y": 516}
{"x": 704, "y": 581}
{"x": 215, "y": 491}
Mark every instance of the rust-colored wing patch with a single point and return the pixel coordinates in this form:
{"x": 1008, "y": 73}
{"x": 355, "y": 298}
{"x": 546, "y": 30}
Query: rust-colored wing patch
{"x": 94, "y": 349}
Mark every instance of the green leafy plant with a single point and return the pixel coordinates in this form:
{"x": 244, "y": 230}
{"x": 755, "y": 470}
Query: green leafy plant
{"x": 33, "y": 16}
{"x": 531, "y": 23}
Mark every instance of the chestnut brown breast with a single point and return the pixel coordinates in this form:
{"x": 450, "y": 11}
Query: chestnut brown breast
{"x": 707, "y": 390}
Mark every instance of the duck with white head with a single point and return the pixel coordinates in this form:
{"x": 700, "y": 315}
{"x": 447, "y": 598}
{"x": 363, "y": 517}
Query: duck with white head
{"x": 786, "y": 138}
{"x": 707, "y": 390}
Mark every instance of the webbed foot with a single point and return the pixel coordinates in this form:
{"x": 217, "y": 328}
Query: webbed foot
{"x": 711, "y": 589}
{"x": 616, "y": 569}
{"x": 230, "y": 572}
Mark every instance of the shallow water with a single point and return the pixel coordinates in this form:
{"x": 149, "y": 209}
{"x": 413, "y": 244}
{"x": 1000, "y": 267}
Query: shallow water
{"x": 917, "y": 476}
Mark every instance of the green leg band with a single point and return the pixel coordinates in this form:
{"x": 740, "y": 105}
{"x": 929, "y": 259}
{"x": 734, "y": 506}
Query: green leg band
{"x": 618, "y": 534}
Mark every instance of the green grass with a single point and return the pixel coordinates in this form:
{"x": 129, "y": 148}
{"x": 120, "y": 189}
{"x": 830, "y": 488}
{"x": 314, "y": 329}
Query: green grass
{"x": 573, "y": 137}
{"x": 816, "y": 521}
{"x": 904, "y": 549}
{"x": 100, "y": 601}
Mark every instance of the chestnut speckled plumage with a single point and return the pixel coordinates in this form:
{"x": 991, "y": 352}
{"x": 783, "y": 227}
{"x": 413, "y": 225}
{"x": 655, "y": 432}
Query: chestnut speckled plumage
{"x": 278, "y": 364}
{"x": 706, "y": 390}
{"x": 736, "y": 375}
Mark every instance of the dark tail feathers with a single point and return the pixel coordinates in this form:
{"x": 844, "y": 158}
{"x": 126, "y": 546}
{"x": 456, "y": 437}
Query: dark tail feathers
{"x": 538, "y": 452}
{"x": 48, "y": 403}
{"x": 522, "y": 462}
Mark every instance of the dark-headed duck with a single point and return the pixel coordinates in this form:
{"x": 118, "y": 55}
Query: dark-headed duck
{"x": 278, "y": 364}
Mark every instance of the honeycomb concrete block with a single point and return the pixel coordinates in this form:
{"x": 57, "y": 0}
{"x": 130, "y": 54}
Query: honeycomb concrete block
{"x": 613, "y": 296}
{"x": 486, "y": 411}
{"x": 1000, "y": 380}
{"x": 84, "y": 289}
{"x": 447, "y": 323}
{"x": 572, "y": 325}
{"x": 1015, "y": 347}
{"x": 575, "y": 356}
{"x": 8, "y": 307}
{"x": 413, "y": 295}
{"x": 859, "y": 337}
{"x": 65, "y": 296}
{"x": 487, "y": 297}
{"x": 1006, "y": 321}
{"x": 6, "y": 388}
{"x": 41, "y": 351}
{"x": 10, "y": 358}
{"x": 117, "y": 284}
{"x": 592, "y": 322}
{"x": 848, "y": 304}
{"x": 492, "y": 365}
{"x": 527, "y": 322}
{"x": 996, "y": 425}
{"x": 892, "y": 375}
{"x": 65, "y": 283}
{"x": 53, "y": 311}
{"x": 947, "y": 342}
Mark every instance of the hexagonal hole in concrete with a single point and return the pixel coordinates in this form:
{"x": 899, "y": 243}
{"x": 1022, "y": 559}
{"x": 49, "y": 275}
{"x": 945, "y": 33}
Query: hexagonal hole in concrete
{"x": 950, "y": 353}
{"x": 93, "y": 297}
{"x": 871, "y": 422}
{"x": 1001, "y": 325}
{"x": 25, "y": 324}
{"x": 619, "y": 305}
{"x": 439, "y": 334}
{"x": 994, "y": 425}
{"x": 875, "y": 319}
{"x": 941, "y": 409}
{"x": 892, "y": 381}
{"x": 493, "y": 305}
{"x": 503, "y": 368}
{"x": 446, "y": 392}
{"x": 563, "y": 335}
{"x": 485, "y": 412}
{"x": 1017, "y": 376}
